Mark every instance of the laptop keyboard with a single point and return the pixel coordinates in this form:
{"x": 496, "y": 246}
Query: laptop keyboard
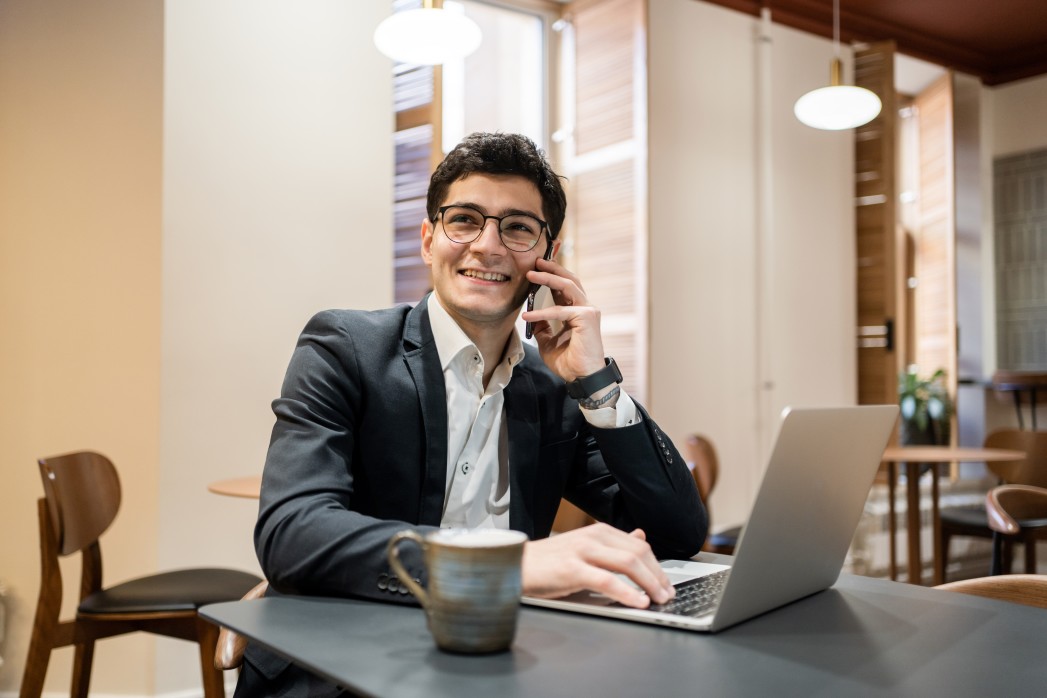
{"x": 697, "y": 596}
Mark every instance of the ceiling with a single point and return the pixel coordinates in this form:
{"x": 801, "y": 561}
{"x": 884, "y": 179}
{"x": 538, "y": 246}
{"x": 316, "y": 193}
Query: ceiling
{"x": 998, "y": 41}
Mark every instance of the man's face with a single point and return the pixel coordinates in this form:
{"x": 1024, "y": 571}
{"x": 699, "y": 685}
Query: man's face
{"x": 483, "y": 283}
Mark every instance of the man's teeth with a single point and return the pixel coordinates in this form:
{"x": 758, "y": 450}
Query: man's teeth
{"x": 486, "y": 275}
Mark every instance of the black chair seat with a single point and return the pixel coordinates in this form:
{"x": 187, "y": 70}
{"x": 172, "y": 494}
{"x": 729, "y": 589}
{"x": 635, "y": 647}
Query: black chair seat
{"x": 727, "y": 538}
{"x": 972, "y": 517}
{"x": 179, "y": 590}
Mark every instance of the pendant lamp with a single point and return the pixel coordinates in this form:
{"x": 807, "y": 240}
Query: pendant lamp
{"x": 838, "y": 106}
{"x": 427, "y": 35}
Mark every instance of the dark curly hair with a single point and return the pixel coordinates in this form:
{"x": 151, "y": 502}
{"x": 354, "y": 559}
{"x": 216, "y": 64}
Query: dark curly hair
{"x": 499, "y": 154}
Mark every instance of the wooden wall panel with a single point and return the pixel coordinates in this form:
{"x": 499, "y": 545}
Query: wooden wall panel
{"x": 877, "y": 248}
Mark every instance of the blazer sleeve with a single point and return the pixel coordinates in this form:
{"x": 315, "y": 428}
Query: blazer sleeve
{"x": 315, "y": 534}
{"x": 634, "y": 477}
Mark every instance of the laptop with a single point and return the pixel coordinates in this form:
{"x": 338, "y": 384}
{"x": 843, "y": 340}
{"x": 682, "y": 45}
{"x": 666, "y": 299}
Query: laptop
{"x": 796, "y": 539}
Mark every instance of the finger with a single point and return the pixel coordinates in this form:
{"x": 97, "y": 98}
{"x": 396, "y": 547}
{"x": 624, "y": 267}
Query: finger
{"x": 640, "y": 567}
{"x": 566, "y": 288}
{"x": 614, "y": 588}
{"x": 573, "y": 315}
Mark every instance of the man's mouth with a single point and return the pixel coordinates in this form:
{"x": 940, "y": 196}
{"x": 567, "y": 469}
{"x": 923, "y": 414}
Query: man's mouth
{"x": 484, "y": 275}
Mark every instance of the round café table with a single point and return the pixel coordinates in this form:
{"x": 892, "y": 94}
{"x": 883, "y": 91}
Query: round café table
{"x": 247, "y": 487}
{"x": 912, "y": 457}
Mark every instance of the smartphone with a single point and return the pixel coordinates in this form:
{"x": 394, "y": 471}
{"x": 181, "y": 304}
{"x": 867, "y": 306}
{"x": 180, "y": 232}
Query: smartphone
{"x": 529, "y": 329}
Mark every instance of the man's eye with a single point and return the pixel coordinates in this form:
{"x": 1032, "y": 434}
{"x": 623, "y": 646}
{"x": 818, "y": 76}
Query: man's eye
{"x": 520, "y": 227}
{"x": 462, "y": 219}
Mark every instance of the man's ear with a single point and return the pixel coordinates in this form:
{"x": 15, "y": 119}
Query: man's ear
{"x": 427, "y": 242}
{"x": 556, "y": 248}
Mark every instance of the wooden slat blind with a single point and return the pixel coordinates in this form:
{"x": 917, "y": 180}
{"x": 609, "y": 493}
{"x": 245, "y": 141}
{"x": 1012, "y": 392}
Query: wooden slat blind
{"x": 606, "y": 49}
{"x": 416, "y": 101}
{"x": 935, "y": 263}
{"x": 608, "y": 176}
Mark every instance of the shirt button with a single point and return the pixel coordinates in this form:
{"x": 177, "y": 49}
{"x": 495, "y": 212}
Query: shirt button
{"x": 466, "y": 468}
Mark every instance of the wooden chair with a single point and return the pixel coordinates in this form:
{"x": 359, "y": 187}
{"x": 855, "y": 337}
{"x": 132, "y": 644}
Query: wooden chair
{"x": 1015, "y": 511}
{"x": 1026, "y": 589}
{"x": 82, "y": 497}
{"x": 229, "y": 650}
{"x": 706, "y": 472}
{"x": 973, "y": 521}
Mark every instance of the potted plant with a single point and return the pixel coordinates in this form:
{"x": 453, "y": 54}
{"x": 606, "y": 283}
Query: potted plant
{"x": 926, "y": 408}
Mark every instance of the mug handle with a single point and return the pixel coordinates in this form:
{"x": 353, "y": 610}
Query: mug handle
{"x": 392, "y": 552}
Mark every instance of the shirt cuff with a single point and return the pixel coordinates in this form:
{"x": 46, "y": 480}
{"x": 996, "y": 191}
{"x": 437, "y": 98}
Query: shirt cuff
{"x": 623, "y": 414}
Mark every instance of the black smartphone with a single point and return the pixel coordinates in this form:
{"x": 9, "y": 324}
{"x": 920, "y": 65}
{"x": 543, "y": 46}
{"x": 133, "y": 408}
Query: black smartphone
{"x": 529, "y": 329}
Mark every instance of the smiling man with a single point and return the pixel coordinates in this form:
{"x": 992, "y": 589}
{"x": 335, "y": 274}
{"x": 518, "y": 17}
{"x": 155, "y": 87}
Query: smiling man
{"x": 441, "y": 416}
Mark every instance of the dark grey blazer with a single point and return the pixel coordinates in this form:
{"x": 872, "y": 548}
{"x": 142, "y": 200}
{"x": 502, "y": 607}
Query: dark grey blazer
{"x": 359, "y": 452}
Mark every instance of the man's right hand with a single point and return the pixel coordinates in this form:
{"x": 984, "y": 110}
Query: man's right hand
{"x": 591, "y": 558}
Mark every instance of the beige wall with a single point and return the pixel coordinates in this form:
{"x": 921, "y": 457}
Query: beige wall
{"x": 752, "y": 286}
{"x": 1019, "y": 121}
{"x": 80, "y": 188}
{"x": 277, "y": 203}
{"x": 180, "y": 188}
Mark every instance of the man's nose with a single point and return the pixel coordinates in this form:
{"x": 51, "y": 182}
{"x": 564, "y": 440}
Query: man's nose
{"x": 489, "y": 240}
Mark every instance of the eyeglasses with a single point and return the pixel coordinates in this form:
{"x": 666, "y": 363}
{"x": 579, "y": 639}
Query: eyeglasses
{"x": 519, "y": 232}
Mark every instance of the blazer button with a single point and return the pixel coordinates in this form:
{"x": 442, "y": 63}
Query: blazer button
{"x": 394, "y": 585}
{"x": 383, "y": 581}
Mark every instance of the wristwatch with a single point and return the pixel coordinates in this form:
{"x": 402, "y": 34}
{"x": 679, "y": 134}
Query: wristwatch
{"x": 584, "y": 386}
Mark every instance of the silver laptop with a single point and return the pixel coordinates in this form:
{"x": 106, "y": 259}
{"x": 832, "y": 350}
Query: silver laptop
{"x": 796, "y": 539}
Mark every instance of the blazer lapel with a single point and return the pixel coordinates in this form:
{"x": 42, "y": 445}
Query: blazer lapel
{"x": 521, "y": 411}
{"x": 423, "y": 363}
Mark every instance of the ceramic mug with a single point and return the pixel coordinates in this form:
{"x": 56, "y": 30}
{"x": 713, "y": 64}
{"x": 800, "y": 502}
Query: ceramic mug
{"x": 473, "y": 595}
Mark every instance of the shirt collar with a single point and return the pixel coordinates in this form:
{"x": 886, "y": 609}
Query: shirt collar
{"x": 451, "y": 340}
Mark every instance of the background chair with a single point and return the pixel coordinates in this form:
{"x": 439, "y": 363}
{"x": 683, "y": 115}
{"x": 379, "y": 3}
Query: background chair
{"x": 1026, "y": 589}
{"x": 229, "y": 650}
{"x": 973, "y": 521}
{"x": 82, "y": 496}
{"x": 1016, "y": 511}
{"x": 706, "y": 472}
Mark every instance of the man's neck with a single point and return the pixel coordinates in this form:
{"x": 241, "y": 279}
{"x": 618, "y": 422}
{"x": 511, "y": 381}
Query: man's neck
{"x": 491, "y": 342}
{"x": 491, "y": 338}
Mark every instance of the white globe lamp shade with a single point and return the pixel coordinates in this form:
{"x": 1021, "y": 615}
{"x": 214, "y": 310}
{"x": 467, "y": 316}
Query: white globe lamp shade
{"x": 427, "y": 36}
{"x": 837, "y": 107}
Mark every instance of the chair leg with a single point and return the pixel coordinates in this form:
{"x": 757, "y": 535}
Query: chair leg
{"x": 1029, "y": 543}
{"x": 83, "y": 657}
{"x": 36, "y": 665}
{"x": 45, "y": 637}
{"x": 942, "y": 563}
{"x": 214, "y": 679}
{"x": 997, "y": 554}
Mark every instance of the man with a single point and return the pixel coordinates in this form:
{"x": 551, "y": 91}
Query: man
{"x": 439, "y": 415}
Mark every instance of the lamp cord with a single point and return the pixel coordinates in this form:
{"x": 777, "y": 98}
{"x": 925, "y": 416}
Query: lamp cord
{"x": 836, "y": 28}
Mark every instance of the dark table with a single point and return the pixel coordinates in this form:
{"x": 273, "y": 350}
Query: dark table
{"x": 863, "y": 637}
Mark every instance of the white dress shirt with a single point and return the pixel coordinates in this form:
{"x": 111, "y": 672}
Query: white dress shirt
{"x": 477, "y": 489}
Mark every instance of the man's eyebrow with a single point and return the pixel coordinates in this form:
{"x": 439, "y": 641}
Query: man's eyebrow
{"x": 504, "y": 212}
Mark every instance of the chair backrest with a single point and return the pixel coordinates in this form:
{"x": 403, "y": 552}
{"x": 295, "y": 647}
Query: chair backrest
{"x": 83, "y": 495}
{"x": 706, "y": 468}
{"x": 1030, "y": 471}
{"x": 1010, "y": 507}
{"x": 1026, "y": 589}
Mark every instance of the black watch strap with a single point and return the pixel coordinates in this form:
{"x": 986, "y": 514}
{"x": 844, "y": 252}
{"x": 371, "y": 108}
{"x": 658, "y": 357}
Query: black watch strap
{"x": 587, "y": 385}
